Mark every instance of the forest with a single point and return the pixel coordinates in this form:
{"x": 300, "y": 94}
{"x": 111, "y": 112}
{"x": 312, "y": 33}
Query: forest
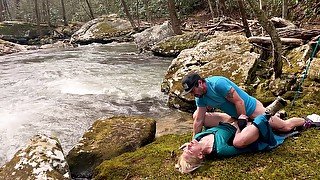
{"x": 58, "y": 12}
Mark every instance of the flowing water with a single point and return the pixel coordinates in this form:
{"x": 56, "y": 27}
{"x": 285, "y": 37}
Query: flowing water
{"x": 61, "y": 92}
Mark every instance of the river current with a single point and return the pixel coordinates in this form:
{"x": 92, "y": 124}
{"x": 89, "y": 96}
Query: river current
{"x": 61, "y": 92}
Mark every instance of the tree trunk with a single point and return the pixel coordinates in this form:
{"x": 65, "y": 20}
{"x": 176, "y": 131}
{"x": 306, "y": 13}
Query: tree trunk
{"x": 37, "y": 17}
{"x": 267, "y": 40}
{"x": 284, "y": 9}
{"x": 1, "y": 11}
{"x": 217, "y": 8}
{"x": 146, "y": 4}
{"x": 65, "y": 22}
{"x": 175, "y": 22}
{"x": 47, "y": 8}
{"x": 18, "y": 12}
{"x": 271, "y": 30}
{"x": 90, "y": 9}
{"x": 6, "y": 9}
{"x": 125, "y": 8}
{"x": 211, "y": 9}
{"x": 244, "y": 19}
{"x": 137, "y": 11}
{"x": 222, "y": 7}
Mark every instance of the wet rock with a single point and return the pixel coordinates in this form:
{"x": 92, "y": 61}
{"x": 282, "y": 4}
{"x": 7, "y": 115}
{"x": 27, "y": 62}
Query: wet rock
{"x": 108, "y": 138}
{"x": 43, "y": 158}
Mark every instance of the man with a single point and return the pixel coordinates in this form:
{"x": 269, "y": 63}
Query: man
{"x": 219, "y": 92}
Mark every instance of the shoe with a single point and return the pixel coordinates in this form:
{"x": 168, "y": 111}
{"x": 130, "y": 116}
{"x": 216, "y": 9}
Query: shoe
{"x": 281, "y": 114}
{"x": 312, "y": 120}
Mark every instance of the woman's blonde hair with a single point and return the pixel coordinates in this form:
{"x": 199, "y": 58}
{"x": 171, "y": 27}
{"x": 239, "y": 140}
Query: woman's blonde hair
{"x": 188, "y": 163}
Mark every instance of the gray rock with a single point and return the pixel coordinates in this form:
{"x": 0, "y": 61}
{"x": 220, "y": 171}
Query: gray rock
{"x": 224, "y": 54}
{"x": 149, "y": 37}
{"x": 43, "y": 158}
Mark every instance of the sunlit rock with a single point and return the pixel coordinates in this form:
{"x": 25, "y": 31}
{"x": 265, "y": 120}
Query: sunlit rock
{"x": 224, "y": 54}
{"x": 172, "y": 46}
{"x": 104, "y": 29}
{"x": 43, "y": 158}
{"x": 108, "y": 138}
{"x": 149, "y": 37}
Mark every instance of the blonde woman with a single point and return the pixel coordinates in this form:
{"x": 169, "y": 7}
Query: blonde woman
{"x": 226, "y": 140}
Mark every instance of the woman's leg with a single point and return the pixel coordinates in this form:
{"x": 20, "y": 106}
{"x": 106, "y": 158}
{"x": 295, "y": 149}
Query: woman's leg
{"x": 213, "y": 118}
{"x": 245, "y": 137}
{"x": 276, "y": 122}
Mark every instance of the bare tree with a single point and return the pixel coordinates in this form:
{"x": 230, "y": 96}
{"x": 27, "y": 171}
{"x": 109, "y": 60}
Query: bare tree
{"x": 146, "y": 5}
{"x": 211, "y": 9}
{"x": 65, "y": 22}
{"x": 1, "y": 11}
{"x": 175, "y": 22}
{"x": 284, "y": 9}
{"x": 137, "y": 11}
{"x": 271, "y": 30}
{"x": 36, "y": 8}
{"x": 18, "y": 11}
{"x": 6, "y": 9}
{"x": 90, "y": 9}
{"x": 222, "y": 7}
{"x": 244, "y": 19}
{"x": 47, "y": 12}
{"x": 125, "y": 8}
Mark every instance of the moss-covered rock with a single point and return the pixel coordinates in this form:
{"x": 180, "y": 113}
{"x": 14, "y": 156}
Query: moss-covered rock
{"x": 104, "y": 29}
{"x": 224, "y": 54}
{"x": 297, "y": 158}
{"x": 21, "y": 32}
{"x": 108, "y": 138}
{"x": 172, "y": 46}
{"x": 43, "y": 158}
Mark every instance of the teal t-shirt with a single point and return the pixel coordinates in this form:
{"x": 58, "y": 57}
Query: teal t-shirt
{"x": 224, "y": 134}
{"x": 217, "y": 89}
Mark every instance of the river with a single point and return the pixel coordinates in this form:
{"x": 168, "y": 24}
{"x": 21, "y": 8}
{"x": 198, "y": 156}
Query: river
{"x": 61, "y": 92}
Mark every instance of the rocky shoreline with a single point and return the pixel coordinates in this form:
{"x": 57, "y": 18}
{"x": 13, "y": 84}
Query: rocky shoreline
{"x": 211, "y": 53}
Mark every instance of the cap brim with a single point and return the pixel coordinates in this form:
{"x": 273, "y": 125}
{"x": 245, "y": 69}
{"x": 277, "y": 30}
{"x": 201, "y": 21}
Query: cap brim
{"x": 187, "y": 92}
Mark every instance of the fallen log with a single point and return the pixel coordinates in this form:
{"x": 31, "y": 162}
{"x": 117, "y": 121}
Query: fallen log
{"x": 299, "y": 33}
{"x": 284, "y": 41}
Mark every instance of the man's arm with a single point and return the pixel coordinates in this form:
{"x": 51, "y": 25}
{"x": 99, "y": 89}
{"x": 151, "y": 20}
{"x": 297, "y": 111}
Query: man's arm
{"x": 234, "y": 97}
{"x": 199, "y": 120}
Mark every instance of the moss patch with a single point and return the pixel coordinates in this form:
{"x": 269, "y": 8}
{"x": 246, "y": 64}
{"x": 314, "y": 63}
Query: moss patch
{"x": 296, "y": 158}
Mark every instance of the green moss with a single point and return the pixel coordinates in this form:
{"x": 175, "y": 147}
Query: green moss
{"x": 297, "y": 158}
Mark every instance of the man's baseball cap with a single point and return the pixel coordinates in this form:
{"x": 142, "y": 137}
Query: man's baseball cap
{"x": 189, "y": 81}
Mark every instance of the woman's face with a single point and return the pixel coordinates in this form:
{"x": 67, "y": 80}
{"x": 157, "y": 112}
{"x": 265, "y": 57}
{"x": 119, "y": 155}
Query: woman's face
{"x": 192, "y": 149}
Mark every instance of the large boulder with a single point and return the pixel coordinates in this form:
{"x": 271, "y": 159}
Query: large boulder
{"x": 104, "y": 29}
{"x": 108, "y": 138}
{"x": 224, "y": 54}
{"x": 149, "y": 37}
{"x": 22, "y": 32}
{"x": 7, "y": 47}
{"x": 43, "y": 158}
{"x": 172, "y": 46}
